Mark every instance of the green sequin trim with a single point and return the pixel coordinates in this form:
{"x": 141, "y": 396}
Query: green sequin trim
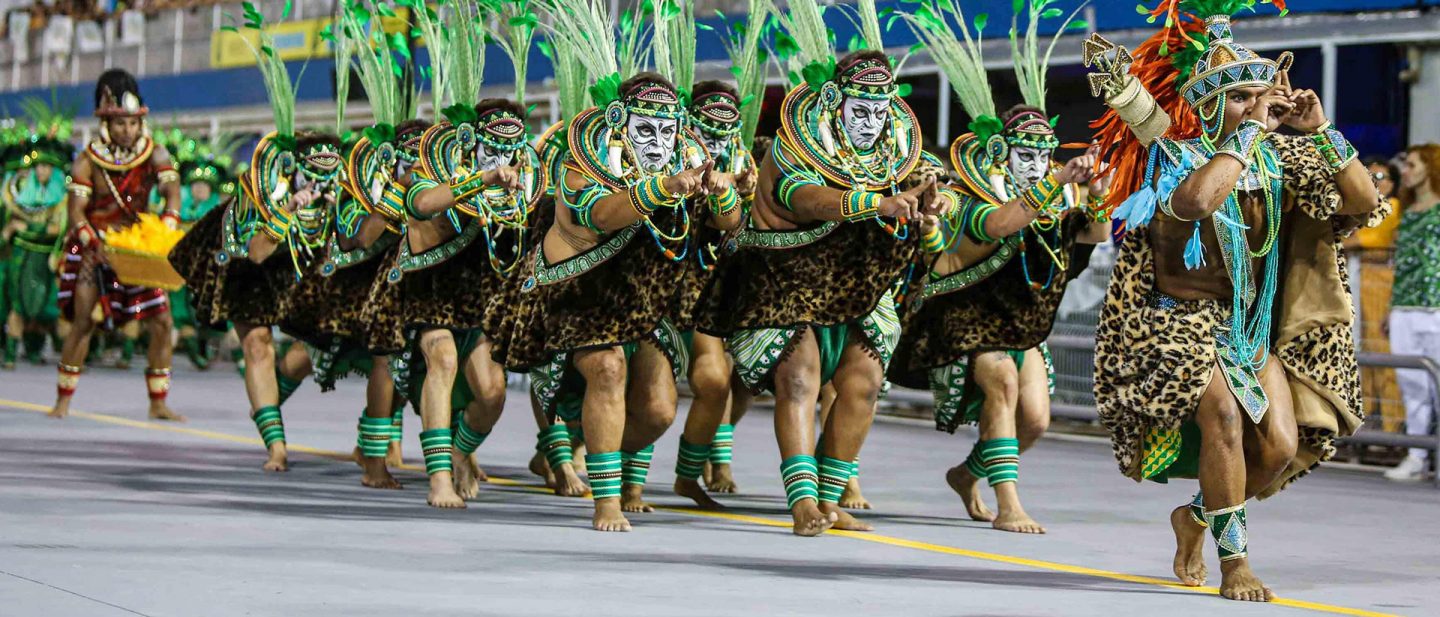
{"x": 976, "y": 273}
{"x": 757, "y": 238}
{"x": 340, "y": 259}
{"x": 408, "y": 262}
{"x": 547, "y": 274}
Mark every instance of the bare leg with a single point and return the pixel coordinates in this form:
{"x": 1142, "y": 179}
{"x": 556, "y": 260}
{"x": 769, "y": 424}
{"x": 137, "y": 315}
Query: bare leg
{"x": 999, "y": 379}
{"x": 441, "y": 366}
{"x": 857, "y": 383}
{"x": 710, "y": 381}
{"x": 797, "y": 388}
{"x": 77, "y": 340}
{"x": 159, "y": 356}
{"x": 650, "y": 401}
{"x": 603, "y": 415}
{"x": 718, "y": 476}
{"x": 486, "y": 379}
{"x": 258, "y": 345}
{"x": 379, "y": 404}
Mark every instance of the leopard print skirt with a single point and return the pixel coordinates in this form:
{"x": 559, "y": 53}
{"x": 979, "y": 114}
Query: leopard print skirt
{"x": 227, "y": 288}
{"x": 1154, "y": 358}
{"x": 324, "y": 308}
{"x": 837, "y": 279}
{"x": 621, "y": 300}
{"x": 451, "y": 294}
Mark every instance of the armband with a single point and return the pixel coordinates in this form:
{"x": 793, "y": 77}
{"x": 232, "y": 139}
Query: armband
{"x": 1039, "y": 196}
{"x": 1241, "y": 143}
{"x": 278, "y": 225}
{"x": 859, "y": 205}
{"x": 167, "y": 176}
{"x": 1333, "y": 147}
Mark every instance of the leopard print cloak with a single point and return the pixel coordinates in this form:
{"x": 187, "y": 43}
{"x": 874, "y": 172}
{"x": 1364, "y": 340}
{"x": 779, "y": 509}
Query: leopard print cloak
{"x": 449, "y": 294}
{"x": 229, "y": 287}
{"x": 1002, "y": 312}
{"x": 1152, "y": 365}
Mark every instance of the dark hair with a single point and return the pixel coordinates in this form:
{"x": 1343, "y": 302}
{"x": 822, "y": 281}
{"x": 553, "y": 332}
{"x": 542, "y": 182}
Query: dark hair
{"x": 413, "y": 125}
{"x": 865, "y": 54}
{"x": 488, "y": 105}
{"x": 117, "y": 82}
{"x": 305, "y": 139}
{"x": 645, "y": 76}
{"x": 712, "y": 86}
{"x": 1017, "y": 110}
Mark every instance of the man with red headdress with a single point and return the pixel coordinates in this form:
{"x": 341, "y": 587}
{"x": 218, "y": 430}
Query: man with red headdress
{"x": 110, "y": 186}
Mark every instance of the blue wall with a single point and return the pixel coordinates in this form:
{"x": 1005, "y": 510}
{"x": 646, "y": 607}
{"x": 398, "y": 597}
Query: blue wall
{"x": 237, "y": 87}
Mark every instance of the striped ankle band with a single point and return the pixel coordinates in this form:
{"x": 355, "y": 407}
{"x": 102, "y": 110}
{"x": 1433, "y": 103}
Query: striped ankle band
{"x": 270, "y": 425}
{"x": 802, "y": 479}
{"x": 691, "y": 461}
{"x": 605, "y": 473}
{"x": 554, "y": 442}
{"x": 374, "y": 437}
{"x": 1002, "y": 460}
{"x": 636, "y": 465}
{"x": 834, "y": 475}
{"x": 436, "y": 444}
{"x": 721, "y": 448}
{"x": 467, "y": 440}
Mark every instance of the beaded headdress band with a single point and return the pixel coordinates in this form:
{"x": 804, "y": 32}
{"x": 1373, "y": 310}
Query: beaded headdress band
{"x": 1030, "y": 129}
{"x": 657, "y": 100}
{"x": 716, "y": 113}
{"x": 866, "y": 78}
{"x": 501, "y": 129}
{"x": 1227, "y": 65}
{"x": 128, "y": 105}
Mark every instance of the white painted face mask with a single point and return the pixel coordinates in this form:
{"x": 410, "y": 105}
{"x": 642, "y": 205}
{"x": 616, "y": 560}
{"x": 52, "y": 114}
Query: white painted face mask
{"x": 652, "y": 140}
{"x": 487, "y": 158}
{"x": 864, "y": 120}
{"x": 1028, "y": 165}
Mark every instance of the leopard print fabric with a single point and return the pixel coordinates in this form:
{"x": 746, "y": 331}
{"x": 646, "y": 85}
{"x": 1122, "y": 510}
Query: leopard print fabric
{"x": 619, "y": 301}
{"x": 451, "y": 294}
{"x": 231, "y": 288}
{"x": 1152, "y": 365}
{"x": 323, "y": 308}
{"x": 1002, "y": 312}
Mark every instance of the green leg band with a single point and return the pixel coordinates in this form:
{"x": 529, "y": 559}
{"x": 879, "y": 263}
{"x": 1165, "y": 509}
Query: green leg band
{"x": 834, "y": 475}
{"x": 467, "y": 440}
{"x": 577, "y": 436}
{"x": 1228, "y": 527}
{"x": 271, "y": 426}
{"x": 974, "y": 464}
{"x": 287, "y": 385}
{"x": 724, "y": 443}
{"x": 605, "y": 472}
{"x": 374, "y": 437}
{"x": 127, "y": 350}
{"x": 11, "y": 348}
{"x": 1197, "y": 509}
{"x": 855, "y": 468}
{"x": 691, "y": 460}
{"x": 802, "y": 479}
{"x": 1002, "y": 460}
{"x": 637, "y": 465}
{"x": 397, "y": 422}
{"x": 554, "y": 443}
{"x": 436, "y": 445}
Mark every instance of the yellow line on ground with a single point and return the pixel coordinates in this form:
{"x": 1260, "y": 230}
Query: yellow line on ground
{"x": 730, "y": 516}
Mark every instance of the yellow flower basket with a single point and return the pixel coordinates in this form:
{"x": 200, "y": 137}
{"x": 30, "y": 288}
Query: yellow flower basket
{"x": 139, "y": 254}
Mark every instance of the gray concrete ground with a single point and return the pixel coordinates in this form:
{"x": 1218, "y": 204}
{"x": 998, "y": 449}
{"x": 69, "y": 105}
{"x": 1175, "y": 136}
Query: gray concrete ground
{"x": 100, "y": 517}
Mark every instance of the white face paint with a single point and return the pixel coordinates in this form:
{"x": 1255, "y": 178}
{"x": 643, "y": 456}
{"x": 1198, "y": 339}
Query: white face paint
{"x": 864, "y": 120}
{"x": 714, "y": 145}
{"x": 1028, "y": 165}
{"x": 652, "y": 140}
{"x": 488, "y": 158}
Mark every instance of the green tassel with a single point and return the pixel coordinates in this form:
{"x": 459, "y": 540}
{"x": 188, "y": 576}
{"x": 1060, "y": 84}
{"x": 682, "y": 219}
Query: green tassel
{"x": 270, "y": 425}
{"x": 436, "y": 443}
{"x": 691, "y": 461}
{"x": 802, "y": 479}
{"x": 605, "y": 472}
{"x": 637, "y": 465}
{"x": 720, "y": 449}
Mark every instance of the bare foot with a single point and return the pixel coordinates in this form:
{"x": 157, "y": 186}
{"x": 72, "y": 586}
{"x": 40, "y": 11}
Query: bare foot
{"x": 608, "y": 516}
{"x": 632, "y": 499}
{"x": 843, "y": 520}
{"x": 691, "y": 489}
{"x": 719, "y": 479}
{"x": 1238, "y": 582}
{"x": 568, "y": 484}
{"x": 578, "y": 457}
{"x": 61, "y": 409}
{"x": 393, "y": 456}
{"x": 376, "y": 475}
{"x": 466, "y": 475}
{"x": 442, "y": 492}
{"x": 278, "y": 460}
{"x": 160, "y": 411}
{"x": 1189, "y": 548}
{"x": 707, "y": 473}
{"x": 1017, "y": 521}
{"x": 540, "y": 467}
{"x": 809, "y": 520}
{"x": 358, "y": 457}
{"x": 851, "y": 499}
{"x": 967, "y": 487}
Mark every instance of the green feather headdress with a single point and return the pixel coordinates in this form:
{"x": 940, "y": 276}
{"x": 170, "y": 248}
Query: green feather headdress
{"x": 582, "y": 32}
{"x": 960, "y": 58}
{"x": 673, "y": 42}
{"x": 748, "y": 63}
{"x": 804, "y": 44}
{"x": 511, "y": 25}
{"x": 456, "y": 38}
{"x": 1030, "y": 66}
{"x": 381, "y": 61}
{"x": 278, "y": 87}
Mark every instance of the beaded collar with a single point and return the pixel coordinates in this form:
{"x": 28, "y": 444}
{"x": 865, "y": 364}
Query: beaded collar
{"x": 111, "y": 158}
{"x": 799, "y": 129}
